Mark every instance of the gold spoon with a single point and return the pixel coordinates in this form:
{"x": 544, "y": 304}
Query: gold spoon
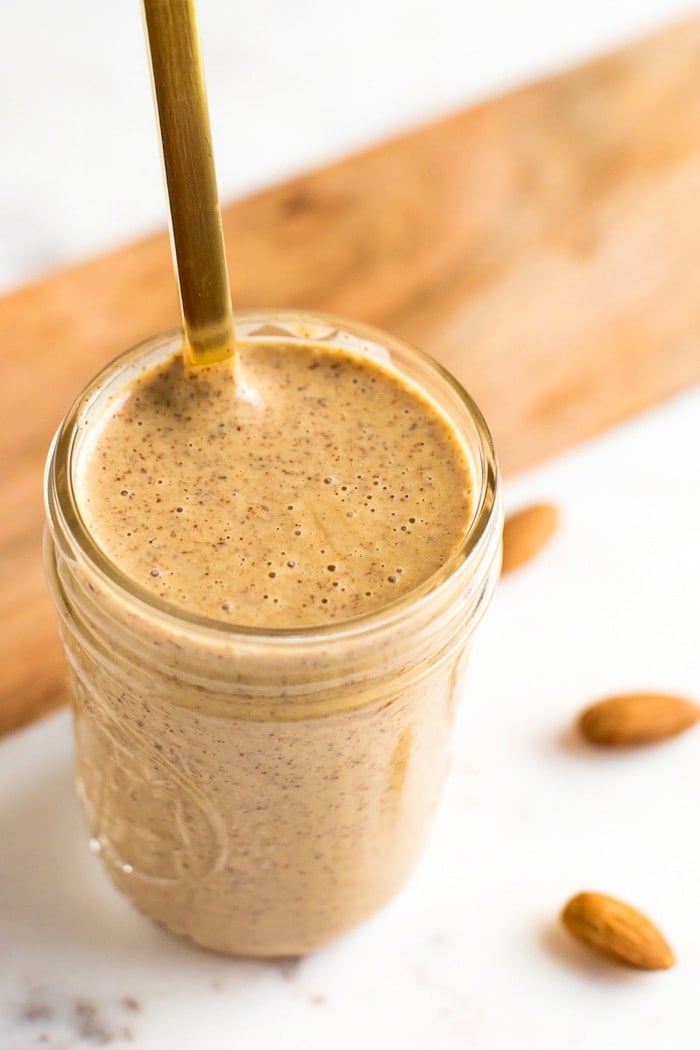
{"x": 188, "y": 160}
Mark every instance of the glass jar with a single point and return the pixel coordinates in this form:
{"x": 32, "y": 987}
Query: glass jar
{"x": 262, "y": 791}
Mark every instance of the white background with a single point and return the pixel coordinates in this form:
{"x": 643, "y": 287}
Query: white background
{"x": 291, "y": 82}
{"x": 471, "y": 953}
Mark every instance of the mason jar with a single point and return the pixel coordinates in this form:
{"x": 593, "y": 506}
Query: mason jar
{"x": 261, "y": 791}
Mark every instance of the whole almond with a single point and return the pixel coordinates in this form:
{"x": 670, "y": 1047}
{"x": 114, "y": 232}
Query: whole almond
{"x": 526, "y": 532}
{"x": 617, "y": 931}
{"x": 637, "y": 718}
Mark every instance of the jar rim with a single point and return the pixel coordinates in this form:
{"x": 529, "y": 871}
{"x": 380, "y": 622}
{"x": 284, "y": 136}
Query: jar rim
{"x": 64, "y": 515}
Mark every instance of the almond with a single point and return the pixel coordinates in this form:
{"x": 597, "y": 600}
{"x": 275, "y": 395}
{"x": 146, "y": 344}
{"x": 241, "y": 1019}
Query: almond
{"x": 526, "y": 532}
{"x": 617, "y": 931}
{"x": 637, "y": 718}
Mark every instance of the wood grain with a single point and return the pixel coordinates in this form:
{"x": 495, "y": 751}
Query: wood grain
{"x": 544, "y": 246}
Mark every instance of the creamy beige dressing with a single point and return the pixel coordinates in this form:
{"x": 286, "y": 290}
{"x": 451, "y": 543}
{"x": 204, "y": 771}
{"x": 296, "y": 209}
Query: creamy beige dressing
{"x": 313, "y": 486}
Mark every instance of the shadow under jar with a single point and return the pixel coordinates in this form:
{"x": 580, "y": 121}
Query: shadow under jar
{"x": 262, "y": 790}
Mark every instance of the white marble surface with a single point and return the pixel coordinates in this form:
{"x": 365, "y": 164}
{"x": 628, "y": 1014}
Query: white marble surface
{"x": 470, "y": 954}
{"x": 291, "y": 83}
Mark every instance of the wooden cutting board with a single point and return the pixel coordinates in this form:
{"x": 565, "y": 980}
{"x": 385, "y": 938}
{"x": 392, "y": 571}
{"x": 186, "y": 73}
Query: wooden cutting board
{"x": 544, "y": 246}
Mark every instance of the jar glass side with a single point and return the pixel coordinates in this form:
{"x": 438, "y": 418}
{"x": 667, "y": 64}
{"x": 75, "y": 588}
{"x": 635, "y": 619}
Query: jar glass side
{"x": 260, "y": 791}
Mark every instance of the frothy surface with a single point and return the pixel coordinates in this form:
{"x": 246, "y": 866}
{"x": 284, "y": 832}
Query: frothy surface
{"x": 315, "y": 487}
